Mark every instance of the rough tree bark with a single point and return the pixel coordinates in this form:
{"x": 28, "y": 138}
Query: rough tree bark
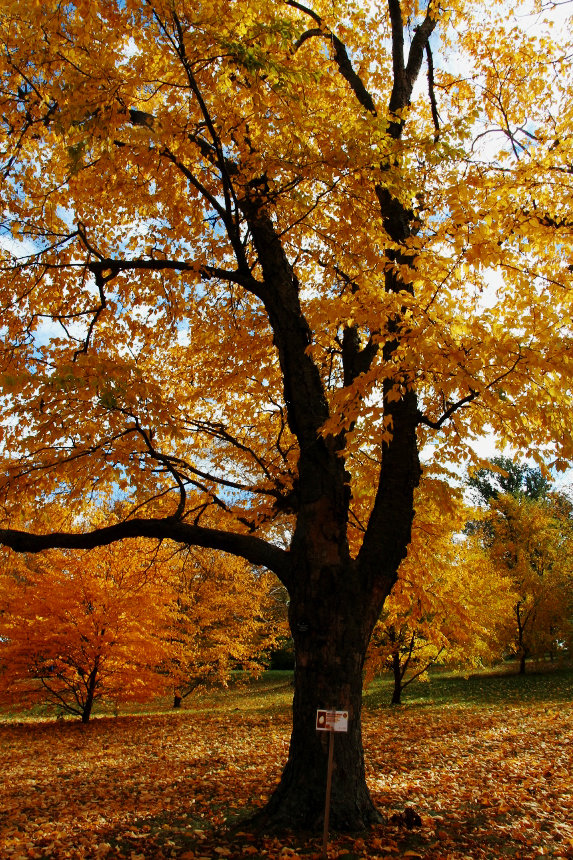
{"x": 335, "y": 602}
{"x": 328, "y": 674}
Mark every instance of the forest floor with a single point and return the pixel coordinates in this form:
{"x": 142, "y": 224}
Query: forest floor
{"x": 486, "y": 762}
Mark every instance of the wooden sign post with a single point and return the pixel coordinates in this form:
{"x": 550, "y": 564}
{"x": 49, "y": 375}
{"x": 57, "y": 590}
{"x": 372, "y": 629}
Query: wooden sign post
{"x": 329, "y": 721}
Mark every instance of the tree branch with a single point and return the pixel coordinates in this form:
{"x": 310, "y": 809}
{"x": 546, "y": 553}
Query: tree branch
{"x": 249, "y": 547}
{"x": 435, "y": 425}
{"x": 341, "y": 57}
{"x": 464, "y": 401}
{"x": 405, "y": 75}
{"x": 397, "y": 26}
{"x": 418, "y": 46}
{"x": 114, "y": 266}
{"x": 432, "y": 91}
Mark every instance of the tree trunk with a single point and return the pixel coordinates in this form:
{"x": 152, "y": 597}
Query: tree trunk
{"x": 335, "y": 602}
{"x": 90, "y": 694}
{"x": 397, "y": 672}
{"x": 177, "y": 700}
{"x": 331, "y": 634}
{"x": 521, "y": 647}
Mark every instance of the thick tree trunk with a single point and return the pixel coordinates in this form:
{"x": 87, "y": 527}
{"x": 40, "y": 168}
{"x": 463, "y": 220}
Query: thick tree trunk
{"x": 335, "y": 602}
{"x": 522, "y": 659}
{"x": 177, "y": 700}
{"x": 331, "y": 632}
{"x": 298, "y": 802}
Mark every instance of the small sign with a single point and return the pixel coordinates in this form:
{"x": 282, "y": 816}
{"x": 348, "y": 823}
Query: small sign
{"x": 332, "y": 721}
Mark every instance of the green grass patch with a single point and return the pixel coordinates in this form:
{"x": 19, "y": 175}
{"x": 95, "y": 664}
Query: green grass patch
{"x": 271, "y": 693}
{"x": 499, "y": 687}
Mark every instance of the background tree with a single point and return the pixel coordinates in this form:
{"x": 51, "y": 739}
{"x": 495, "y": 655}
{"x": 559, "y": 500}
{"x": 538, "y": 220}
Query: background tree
{"x": 252, "y": 267}
{"x": 505, "y": 476}
{"x": 450, "y": 604}
{"x": 128, "y": 623}
{"x": 83, "y": 627}
{"x": 527, "y": 534}
{"x": 225, "y": 618}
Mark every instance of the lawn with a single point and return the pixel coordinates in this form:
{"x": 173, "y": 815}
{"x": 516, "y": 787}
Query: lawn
{"x": 486, "y": 761}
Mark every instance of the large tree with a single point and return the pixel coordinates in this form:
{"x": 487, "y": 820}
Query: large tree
{"x": 258, "y": 255}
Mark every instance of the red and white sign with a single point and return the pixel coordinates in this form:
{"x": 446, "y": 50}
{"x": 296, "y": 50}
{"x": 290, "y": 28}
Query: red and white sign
{"x": 332, "y": 721}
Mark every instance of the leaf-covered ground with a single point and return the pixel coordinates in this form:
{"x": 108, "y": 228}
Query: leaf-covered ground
{"x": 488, "y": 781}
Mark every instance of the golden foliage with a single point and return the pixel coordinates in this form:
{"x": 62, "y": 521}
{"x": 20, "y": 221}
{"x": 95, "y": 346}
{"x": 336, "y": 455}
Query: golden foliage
{"x": 451, "y": 603}
{"x": 134, "y": 140}
{"x": 225, "y": 617}
{"x": 249, "y": 268}
{"x": 78, "y": 628}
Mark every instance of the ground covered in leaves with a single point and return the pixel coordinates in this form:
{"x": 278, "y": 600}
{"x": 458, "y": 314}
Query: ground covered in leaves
{"x": 488, "y": 781}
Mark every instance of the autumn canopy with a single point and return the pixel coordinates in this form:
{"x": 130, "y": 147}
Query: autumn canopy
{"x": 256, "y": 257}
